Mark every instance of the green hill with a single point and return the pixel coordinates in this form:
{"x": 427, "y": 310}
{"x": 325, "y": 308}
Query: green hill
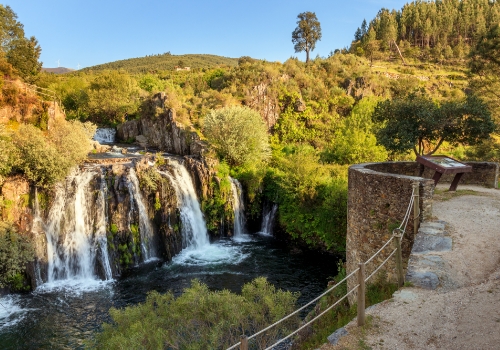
{"x": 166, "y": 61}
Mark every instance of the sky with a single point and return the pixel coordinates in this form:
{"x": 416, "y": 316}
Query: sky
{"x": 78, "y": 34}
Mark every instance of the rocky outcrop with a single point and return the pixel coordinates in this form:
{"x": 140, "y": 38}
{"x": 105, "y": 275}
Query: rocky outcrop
{"x": 159, "y": 129}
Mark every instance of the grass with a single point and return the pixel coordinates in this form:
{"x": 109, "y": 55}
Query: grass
{"x": 444, "y": 195}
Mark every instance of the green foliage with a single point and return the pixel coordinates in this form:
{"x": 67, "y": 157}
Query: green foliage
{"x": 199, "y": 318}
{"x": 15, "y": 252}
{"x": 110, "y": 95}
{"x": 149, "y": 179}
{"x": 238, "y": 134}
{"x": 416, "y": 122}
{"x": 165, "y": 62}
{"x": 113, "y": 229}
{"x": 20, "y": 52}
{"x": 307, "y": 33}
{"x": 217, "y": 207}
{"x": 46, "y": 160}
{"x": 312, "y": 198}
{"x": 355, "y": 141}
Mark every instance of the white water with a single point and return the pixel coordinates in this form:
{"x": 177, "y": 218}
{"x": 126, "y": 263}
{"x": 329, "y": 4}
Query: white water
{"x": 74, "y": 234}
{"x": 145, "y": 229}
{"x": 194, "y": 230}
{"x": 10, "y": 311}
{"x": 37, "y": 229}
{"x": 268, "y": 219}
{"x": 239, "y": 207}
{"x": 101, "y": 223}
{"x": 105, "y": 135}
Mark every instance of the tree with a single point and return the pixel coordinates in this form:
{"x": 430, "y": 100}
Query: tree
{"x": 23, "y": 56}
{"x": 22, "y": 53}
{"x": 416, "y": 122}
{"x": 238, "y": 134}
{"x": 306, "y": 34}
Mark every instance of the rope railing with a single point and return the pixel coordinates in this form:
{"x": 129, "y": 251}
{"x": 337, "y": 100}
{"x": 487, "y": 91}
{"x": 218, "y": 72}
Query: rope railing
{"x": 397, "y": 237}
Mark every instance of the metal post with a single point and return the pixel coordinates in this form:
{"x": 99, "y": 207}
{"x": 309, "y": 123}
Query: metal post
{"x": 416, "y": 207}
{"x": 399, "y": 260}
{"x": 244, "y": 342}
{"x": 361, "y": 294}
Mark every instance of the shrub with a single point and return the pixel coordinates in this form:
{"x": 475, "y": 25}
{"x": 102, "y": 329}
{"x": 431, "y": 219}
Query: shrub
{"x": 200, "y": 318}
{"x": 238, "y": 134}
{"x": 15, "y": 252}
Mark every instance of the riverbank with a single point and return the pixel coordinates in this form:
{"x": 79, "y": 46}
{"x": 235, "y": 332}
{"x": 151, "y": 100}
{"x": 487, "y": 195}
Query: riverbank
{"x": 462, "y": 312}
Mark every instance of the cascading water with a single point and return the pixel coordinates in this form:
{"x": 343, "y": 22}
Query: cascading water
{"x": 268, "y": 219}
{"x": 194, "y": 231}
{"x": 145, "y": 229}
{"x": 238, "y": 206}
{"x": 101, "y": 223}
{"x": 71, "y": 240}
{"x": 105, "y": 135}
{"x": 37, "y": 229}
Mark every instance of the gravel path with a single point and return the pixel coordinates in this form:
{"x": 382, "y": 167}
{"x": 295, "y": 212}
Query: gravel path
{"x": 464, "y": 312}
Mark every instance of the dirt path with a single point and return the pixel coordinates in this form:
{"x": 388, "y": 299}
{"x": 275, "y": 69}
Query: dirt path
{"x": 464, "y": 311}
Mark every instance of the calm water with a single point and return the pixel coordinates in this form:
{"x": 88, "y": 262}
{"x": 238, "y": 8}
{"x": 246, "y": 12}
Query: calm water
{"x": 64, "y": 314}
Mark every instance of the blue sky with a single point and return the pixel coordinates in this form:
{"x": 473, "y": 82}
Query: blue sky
{"x": 91, "y": 32}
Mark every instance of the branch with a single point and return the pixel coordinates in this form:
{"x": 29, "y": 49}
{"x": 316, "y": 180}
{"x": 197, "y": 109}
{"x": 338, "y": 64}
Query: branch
{"x": 437, "y": 146}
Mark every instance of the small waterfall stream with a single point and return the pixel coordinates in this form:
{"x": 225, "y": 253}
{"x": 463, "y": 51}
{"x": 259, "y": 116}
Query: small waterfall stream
{"x": 239, "y": 208}
{"x": 105, "y": 135}
{"x": 101, "y": 224}
{"x": 268, "y": 215}
{"x": 145, "y": 227}
{"x": 194, "y": 230}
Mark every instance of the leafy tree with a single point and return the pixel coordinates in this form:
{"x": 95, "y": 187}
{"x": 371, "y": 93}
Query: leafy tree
{"x": 111, "y": 95}
{"x": 238, "y": 134}
{"x": 15, "y": 252}
{"x": 416, "y": 122}
{"x": 24, "y": 55}
{"x": 307, "y": 33}
{"x": 200, "y": 318}
{"x": 21, "y": 53}
{"x": 47, "y": 160}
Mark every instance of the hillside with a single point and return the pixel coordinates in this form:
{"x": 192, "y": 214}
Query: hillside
{"x": 58, "y": 70}
{"x": 166, "y": 61}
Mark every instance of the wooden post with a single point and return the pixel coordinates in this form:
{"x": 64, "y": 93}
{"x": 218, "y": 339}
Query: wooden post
{"x": 416, "y": 207}
{"x": 399, "y": 260}
{"x": 244, "y": 342}
{"x": 361, "y": 294}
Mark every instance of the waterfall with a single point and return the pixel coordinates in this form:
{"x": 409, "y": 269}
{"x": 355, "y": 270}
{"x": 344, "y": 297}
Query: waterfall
{"x": 37, "y": 229}
{"x": 268, "y": 216}
{"x": 105, "y": 135}
{"x": 194, "y": 231}
{"x": 101, "y": 224}
{"x": 145, "y": 229}
{"x": 71, "y": 247}
{"x": 238, "y": 207}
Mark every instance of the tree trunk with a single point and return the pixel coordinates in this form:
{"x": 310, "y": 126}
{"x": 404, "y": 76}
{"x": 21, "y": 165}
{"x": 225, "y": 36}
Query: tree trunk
{"x": 307, "y": 55}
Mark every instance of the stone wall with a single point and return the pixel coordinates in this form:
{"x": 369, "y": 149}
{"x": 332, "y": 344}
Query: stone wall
{"x": 377, "y": 203}
{"x": 483, "y": 173}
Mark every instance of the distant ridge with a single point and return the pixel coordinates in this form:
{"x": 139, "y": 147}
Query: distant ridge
{"x": 166, "y": 61}
{"x": 58, "y": 70}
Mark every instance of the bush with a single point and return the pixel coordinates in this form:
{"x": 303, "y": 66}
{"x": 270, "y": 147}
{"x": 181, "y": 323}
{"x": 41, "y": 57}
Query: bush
{"x": 200, "y": 318}
{"x": 238, "y": 134}
{"x": 47, "y": 160}
{"x": 9, "y": 155}
{"x": 15, "y": 252}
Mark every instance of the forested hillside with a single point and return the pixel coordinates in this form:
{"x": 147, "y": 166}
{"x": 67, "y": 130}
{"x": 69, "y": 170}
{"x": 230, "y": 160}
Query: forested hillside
{"x": 166, "y": 61}
{"x": 442, "y": 30}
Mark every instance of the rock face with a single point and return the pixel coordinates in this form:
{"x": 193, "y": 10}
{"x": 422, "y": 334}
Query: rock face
{"x": 158, "y": 128}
